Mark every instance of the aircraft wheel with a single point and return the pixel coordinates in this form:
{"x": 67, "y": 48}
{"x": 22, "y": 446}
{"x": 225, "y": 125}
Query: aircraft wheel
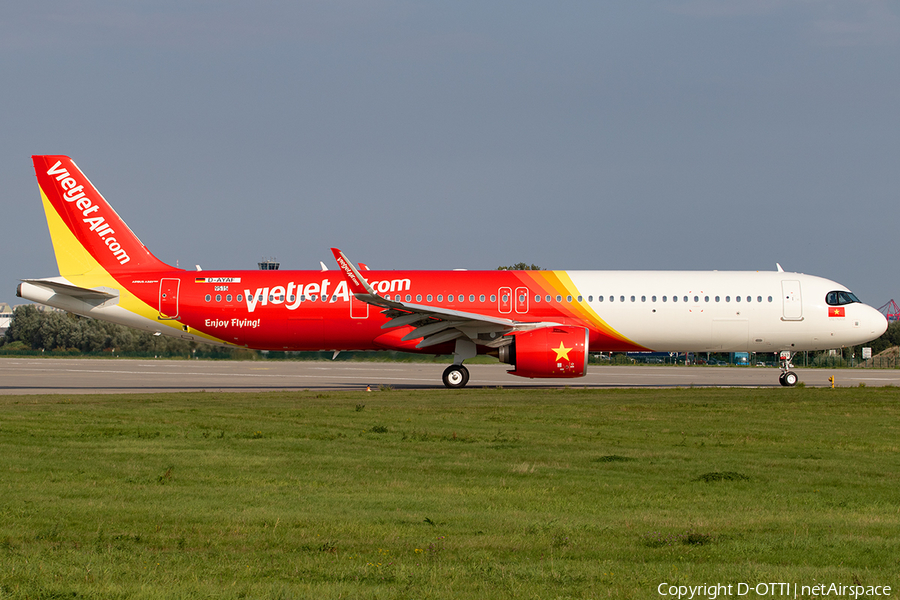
{"x": 781, "y": 379}
{"x": 790, "y": 379}
{"x": 456, "y": 376}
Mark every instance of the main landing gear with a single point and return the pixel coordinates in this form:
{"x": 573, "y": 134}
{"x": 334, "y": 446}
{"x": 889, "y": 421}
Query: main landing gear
{"x": 787, "y": 378}
{"x": 456, "y": 375}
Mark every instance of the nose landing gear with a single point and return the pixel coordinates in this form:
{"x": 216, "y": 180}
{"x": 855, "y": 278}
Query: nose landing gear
{"x": 787, "y": 378}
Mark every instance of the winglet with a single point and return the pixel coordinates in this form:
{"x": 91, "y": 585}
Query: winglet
{"x": 358, "y": 285}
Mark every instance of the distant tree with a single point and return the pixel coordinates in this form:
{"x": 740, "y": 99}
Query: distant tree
{"x": 64, "y": 331}
{"x": 888, "y": 339}
{"x": 25, "y": 325}
{"x": 520, "y": 267}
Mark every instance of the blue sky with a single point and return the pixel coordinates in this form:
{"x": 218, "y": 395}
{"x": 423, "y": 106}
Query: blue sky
{"x": 692, "y": 134}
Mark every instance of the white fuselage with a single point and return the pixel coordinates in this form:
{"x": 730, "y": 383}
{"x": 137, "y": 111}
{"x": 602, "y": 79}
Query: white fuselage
{"x": 725, "y": 310}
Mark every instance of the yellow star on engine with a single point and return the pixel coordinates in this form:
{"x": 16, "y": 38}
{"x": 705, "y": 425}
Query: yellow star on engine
{"x": 562, "y": 352}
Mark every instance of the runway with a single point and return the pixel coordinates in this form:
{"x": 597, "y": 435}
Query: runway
{"x": 92, "y": 376}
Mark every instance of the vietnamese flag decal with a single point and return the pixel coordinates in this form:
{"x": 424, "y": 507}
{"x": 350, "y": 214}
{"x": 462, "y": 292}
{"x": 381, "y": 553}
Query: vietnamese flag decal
{"x": 835, "y": 311}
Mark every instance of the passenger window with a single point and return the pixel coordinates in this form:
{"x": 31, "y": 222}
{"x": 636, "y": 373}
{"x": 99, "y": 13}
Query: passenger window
{"x": 632, "y": 298}
{"x": 568, "y": 298}
{"x": 621, "y": 298}
{"x": 674, "y": 298}
{"x": 440, "y": 297}
{"x": 481, "y": 298}
{"x": 559, "y": 298}
{"x": 208, "y": 297}
{"x": 219, "y": 297}
{"x": 537, "y": 298}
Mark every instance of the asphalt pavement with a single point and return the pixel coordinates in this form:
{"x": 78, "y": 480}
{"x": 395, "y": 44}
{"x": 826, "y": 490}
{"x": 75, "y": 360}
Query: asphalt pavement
{"x": 92, "y": 376}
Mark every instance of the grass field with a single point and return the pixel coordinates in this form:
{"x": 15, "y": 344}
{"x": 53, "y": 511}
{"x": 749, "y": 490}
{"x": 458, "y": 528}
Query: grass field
{"x": 447, "y": 494}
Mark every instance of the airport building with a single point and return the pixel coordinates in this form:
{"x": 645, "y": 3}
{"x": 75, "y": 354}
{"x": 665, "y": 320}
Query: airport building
{"x": 6, "y": 313}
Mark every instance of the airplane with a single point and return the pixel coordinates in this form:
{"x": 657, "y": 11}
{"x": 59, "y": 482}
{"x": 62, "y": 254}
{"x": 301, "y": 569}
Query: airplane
{"x": 543, "y": 323}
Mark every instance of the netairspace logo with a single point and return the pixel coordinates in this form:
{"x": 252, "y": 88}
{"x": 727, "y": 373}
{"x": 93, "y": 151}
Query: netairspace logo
{"x": 772, "y": 590}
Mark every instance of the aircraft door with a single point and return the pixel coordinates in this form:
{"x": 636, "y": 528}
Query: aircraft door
{"x": 521, "y": 300}
{"x": 168, "y": 298}
{"x": 504, "y": 297}
{"x": 793, "y": 304}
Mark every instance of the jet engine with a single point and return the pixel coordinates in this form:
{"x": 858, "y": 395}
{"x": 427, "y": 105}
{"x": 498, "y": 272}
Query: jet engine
{"x": 548, "y": 352}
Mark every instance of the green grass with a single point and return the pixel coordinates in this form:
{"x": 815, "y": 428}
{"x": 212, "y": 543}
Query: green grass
{"x": 446, "y": 494}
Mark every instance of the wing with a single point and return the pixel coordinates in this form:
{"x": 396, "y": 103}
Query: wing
{"x": 434, "y": 324}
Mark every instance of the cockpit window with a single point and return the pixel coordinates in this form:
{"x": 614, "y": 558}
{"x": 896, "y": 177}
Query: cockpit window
{"x": 840, "y": 298}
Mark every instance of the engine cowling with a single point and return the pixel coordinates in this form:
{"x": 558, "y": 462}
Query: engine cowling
{"x": 548, "y": 352}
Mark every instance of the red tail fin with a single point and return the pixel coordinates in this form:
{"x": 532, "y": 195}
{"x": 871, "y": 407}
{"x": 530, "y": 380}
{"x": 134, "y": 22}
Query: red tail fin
{"x": 90, "y": 219}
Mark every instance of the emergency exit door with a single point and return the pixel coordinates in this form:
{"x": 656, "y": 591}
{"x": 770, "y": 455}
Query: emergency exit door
{"x": 168, "y": 298}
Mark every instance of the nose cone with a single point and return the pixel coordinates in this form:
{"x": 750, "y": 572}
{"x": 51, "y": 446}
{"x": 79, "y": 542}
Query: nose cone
{"x": 874, "y": 323}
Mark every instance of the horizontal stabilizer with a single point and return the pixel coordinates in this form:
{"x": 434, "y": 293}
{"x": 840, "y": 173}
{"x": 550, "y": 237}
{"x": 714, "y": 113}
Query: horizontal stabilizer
{"x": 71, "y": 290}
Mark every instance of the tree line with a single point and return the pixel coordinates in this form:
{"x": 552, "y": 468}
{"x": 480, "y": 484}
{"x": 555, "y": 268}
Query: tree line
{"x": 60, "y": 332}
